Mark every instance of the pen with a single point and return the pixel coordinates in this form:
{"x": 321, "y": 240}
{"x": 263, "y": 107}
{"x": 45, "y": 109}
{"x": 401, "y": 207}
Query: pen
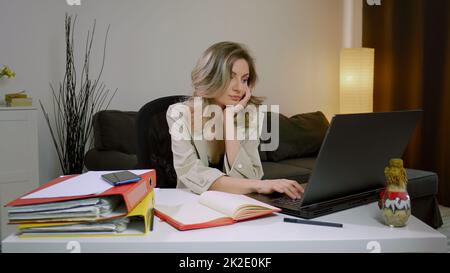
{"x": 309, "y": 222}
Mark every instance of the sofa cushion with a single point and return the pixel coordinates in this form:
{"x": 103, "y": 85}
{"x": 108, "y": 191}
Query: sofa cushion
{"x": 96, "y": 160}
{"x": 115, "y": 130}
{"x": 304, "y": 162}
{"x": 276, "y": 170}
{"x": 421, "y": 183}
{"x": 262, "y": 154}
{"x": 299, "y": 136}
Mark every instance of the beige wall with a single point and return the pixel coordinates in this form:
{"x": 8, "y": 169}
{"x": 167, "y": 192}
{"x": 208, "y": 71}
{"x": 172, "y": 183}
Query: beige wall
{"x": 153, "y": 46}
{"x": 352, "y": 23}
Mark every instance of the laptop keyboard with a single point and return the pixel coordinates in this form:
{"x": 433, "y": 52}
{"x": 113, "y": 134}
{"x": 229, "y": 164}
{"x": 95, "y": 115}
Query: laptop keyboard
{"x": 287, "y": 201}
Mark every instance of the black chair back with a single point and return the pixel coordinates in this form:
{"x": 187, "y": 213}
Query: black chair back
{"x": 154, "y": 146}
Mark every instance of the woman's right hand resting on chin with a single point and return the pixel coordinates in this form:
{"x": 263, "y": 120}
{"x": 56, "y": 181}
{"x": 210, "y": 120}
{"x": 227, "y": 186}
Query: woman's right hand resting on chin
{"x": 289, "y": 187}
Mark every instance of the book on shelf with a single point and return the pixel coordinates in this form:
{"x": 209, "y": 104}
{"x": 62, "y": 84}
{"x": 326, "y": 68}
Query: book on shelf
{"x": 20, "y": 102}
{"x": 10, "y": 96}
{"x": 18, "y": 99}
{"x": 184, "y": 210}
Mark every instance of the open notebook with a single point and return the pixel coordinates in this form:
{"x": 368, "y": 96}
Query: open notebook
{"x": 185, "y": 210}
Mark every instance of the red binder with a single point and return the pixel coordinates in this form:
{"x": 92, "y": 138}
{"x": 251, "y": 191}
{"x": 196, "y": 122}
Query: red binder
{"x": 131, "y": 194}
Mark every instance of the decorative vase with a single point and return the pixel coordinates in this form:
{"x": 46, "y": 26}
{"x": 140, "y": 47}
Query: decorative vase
{"x": 395, "y": 203}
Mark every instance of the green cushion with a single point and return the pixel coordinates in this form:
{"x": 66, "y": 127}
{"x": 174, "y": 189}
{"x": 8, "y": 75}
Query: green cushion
{"x": 421, "y": 183}
{"x": 303, "y": 162}
{"x": 275, "y": 170}
{"x": 300, "y": 135}
{"x": 115, "y": 130}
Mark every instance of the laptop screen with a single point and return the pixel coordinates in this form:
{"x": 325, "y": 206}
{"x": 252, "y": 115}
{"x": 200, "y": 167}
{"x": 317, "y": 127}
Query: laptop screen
{"x": 355, "y": 151}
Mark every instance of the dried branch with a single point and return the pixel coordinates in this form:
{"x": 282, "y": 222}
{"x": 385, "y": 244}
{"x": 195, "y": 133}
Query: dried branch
{"x": 73, "y": 109}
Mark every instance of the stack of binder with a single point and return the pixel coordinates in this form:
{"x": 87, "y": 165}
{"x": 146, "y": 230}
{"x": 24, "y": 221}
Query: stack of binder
{"x": 58, "y": 210}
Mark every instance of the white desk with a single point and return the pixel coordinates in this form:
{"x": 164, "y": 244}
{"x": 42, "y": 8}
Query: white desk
{"x": 362, "y": 232}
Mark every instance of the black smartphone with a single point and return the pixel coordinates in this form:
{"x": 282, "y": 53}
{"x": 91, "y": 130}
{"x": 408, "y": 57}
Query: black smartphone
{"x": 120, "y": 178}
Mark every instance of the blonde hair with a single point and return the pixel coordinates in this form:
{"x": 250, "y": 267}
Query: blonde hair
{"x": 212, "y": 73}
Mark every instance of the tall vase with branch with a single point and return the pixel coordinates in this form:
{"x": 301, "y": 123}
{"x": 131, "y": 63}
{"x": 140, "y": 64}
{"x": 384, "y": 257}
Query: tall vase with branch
{"x": 75, "y": 105}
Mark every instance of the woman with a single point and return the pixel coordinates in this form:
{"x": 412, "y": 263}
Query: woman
{"x": 223, "y": 76}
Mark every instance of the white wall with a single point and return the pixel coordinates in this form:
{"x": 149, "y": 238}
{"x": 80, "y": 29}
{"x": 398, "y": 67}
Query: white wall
{"x": 154, "y": 44}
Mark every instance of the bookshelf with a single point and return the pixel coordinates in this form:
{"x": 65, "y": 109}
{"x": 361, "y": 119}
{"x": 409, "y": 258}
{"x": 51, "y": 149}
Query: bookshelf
{"x": 19, "y": 167}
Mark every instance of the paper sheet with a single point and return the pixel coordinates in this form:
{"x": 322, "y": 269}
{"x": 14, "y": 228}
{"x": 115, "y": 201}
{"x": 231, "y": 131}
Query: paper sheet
{"x": 54, "y": 205}
{"x": 84, "y": 184}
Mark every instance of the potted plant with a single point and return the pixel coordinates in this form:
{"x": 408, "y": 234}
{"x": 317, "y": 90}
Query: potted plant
{"x": 75, "y": 102}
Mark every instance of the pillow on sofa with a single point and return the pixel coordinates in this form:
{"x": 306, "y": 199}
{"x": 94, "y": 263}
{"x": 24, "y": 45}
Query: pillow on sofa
{"x": 262, "y": 154}
{"x": 115, "y": 130}
{"x": 300, "y": 136}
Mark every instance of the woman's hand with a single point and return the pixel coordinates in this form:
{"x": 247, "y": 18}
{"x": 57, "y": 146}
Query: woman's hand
{"x": 230, "y": 112}
{"x": 247, "y": 96}
{"x": 243, "y": 102}
{"x": 289, "y": 187}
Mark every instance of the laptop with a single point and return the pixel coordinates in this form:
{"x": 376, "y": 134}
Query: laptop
{"x": 349, "y": 169}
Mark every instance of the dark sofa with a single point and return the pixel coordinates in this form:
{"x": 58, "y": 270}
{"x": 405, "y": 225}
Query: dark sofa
{"x": 115, "y": 149}
{"x": 114, "y": 141}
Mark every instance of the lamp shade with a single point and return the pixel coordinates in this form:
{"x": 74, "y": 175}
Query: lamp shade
{"x": 356, "y": 80}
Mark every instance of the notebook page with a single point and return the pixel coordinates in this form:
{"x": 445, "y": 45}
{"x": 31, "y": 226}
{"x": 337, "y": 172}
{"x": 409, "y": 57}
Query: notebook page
{"x": 183, "y": 206}
{"x": 229, "y": 203}
{"x": 190, "y": 213}
{"x": 55, "y": 205}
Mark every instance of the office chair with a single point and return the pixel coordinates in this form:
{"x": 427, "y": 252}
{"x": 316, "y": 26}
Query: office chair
{"x": 154, "y": 146}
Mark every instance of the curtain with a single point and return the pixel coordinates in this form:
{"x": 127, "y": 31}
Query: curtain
{"x": 412, "y": 71}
